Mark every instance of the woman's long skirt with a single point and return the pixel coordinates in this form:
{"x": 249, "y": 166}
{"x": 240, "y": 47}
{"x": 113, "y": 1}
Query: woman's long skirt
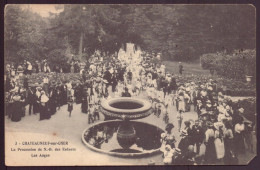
{"x": 53, "y": 106}
{"x": 36, "y": 107}
{"x": 84, "y": 106}
{"x": 239, "y": 144}
{"x": 16, "y": 111}
{"x": 44, "y": 113}
{"x": 228, "y": 158}
{"x": 210, "y": 152}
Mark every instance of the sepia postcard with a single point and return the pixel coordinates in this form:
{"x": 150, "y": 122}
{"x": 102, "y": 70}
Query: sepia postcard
{"x": 107, "y": 84}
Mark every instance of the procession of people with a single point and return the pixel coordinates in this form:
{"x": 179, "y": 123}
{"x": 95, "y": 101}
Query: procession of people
{"x": 221, "y": 123}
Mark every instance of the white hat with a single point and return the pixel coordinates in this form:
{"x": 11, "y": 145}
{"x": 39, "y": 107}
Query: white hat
{"x": 220, "y": 94}
{"x": 241, "y": 109}
{"x": 203, "y": 111}
{"x": 218, "y": 125}
{"x": 163, "y": 135}
{"x": 16, "y": 98}
{"x": 168, "y": 147}
{"x": 44, "y": 98}
{"x": 227, "y": 107}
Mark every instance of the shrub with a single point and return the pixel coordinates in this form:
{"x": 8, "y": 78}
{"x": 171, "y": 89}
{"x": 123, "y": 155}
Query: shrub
{"x": 236, "y": 65}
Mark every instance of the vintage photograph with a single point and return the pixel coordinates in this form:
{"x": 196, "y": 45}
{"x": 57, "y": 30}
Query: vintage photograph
{"x": 102, "y": 84}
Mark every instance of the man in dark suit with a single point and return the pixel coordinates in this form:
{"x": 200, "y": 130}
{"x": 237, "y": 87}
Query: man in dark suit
{"x": 197, "y": 136}
{"x": 108, "y": 76}
{"x": 31, "y": 99}
{"x": 180, "y": 68}
{"x": 108, "y": 79}
{"x": 126, "y": 93}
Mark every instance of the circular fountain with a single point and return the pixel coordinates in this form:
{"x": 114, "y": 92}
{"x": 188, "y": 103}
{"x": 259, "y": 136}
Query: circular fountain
{"x": 124, "y": 137}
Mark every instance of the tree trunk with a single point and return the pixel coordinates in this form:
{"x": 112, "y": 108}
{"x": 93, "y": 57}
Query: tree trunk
{"x": 80, "y": 46}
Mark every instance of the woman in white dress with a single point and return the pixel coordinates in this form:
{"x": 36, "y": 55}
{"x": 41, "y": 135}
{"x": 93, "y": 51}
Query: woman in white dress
{"x": 219, "y": 141}
{"x": 181, "y": 102}
{"x": 168, "y": 155}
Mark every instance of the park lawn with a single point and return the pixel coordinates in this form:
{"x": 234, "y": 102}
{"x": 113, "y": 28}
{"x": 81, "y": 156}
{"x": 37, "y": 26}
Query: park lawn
{"x": 189, "y": 68}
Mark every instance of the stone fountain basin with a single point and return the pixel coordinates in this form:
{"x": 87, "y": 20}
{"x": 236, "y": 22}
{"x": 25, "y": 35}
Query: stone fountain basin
{"x": 126, "y": 108}
{"x": 153, "y": 132}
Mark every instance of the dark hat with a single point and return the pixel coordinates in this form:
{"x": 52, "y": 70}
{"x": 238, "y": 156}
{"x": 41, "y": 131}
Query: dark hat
{"x": 187, "y": 123}
{"x": 169, "y": 126}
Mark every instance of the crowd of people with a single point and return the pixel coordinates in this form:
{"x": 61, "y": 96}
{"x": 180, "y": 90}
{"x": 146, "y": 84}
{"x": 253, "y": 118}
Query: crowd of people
{"x": 221, "y": 125}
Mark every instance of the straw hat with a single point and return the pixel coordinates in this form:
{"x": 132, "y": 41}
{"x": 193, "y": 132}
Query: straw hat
{"x": 203, "y": 111}
{"x": 210, "y": 88}
{"x": 208, "y": 101}
{"x": 17, "y": 98}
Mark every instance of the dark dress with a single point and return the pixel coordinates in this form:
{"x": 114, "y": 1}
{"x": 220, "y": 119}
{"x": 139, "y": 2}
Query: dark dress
{"x": 23, "y": 96}
{"x": 36, "y": 104}
{"x": 70, "y": 105}
{"x": 197, "y": 136}
{"x": 126, "y": 94}
{"x": 64, "y": 96}
{"x": 44, "y": 113}
{"x": 84, "y": 105}
{"x": 210, "y": 152}
{"x": 46, "y": 88}
{"x": 53, "y": 103}
{"x": 228, "y": 143}
{"x": 78, "y": 94}
{"x": 239, "y": 144}
{"x": 16, "y": 111}
{"x": 184, "y": 144}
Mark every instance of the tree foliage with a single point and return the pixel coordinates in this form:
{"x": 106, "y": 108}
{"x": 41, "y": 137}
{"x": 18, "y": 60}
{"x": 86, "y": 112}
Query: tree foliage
{"x": 179, "y": 32}
{"x": 24, "y": 32}
{"x": 236, "y": 65}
